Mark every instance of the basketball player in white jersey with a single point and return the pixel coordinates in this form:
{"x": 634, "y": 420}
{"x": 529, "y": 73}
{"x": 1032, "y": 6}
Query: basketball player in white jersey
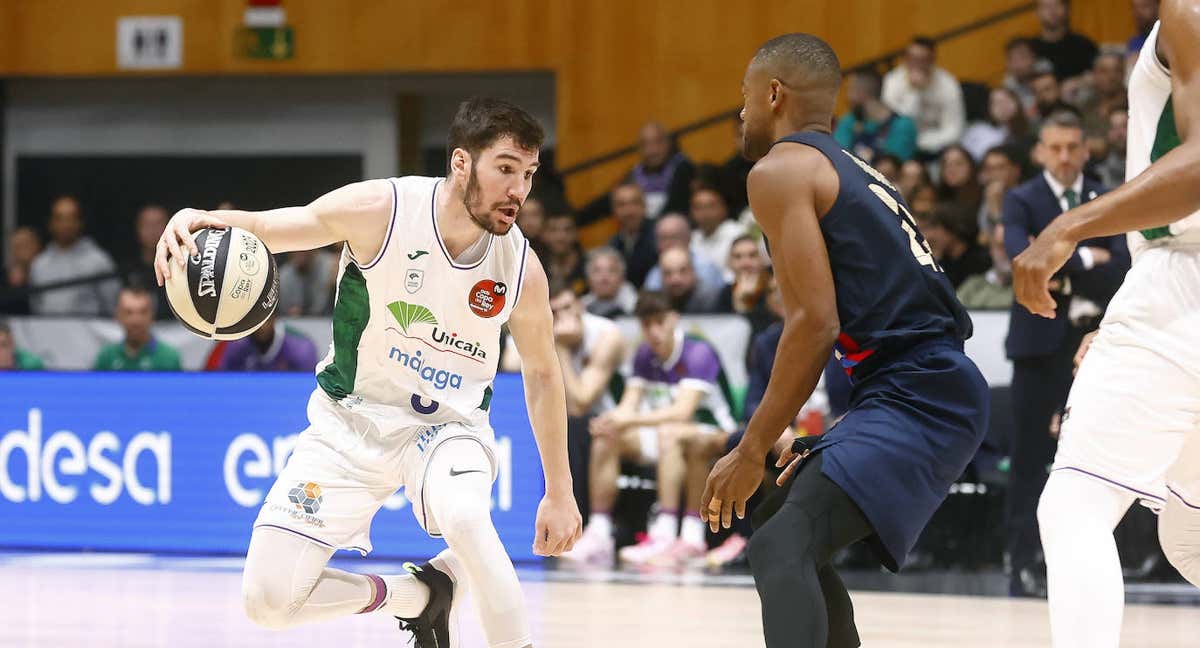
{"x": 430, "y": 270}
{"x": 1130, "y": 430}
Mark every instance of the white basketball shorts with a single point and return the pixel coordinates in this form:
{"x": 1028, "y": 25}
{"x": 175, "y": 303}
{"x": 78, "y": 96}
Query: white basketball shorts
{"x": 343, "y": 469}
{"x": 1136, "y": 398}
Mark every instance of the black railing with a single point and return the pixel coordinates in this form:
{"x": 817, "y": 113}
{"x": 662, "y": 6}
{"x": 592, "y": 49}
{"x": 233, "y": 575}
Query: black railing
{"x": 886, "y": 59}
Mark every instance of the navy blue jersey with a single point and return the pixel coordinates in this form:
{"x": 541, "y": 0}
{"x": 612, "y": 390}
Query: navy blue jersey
{"x": 891, "y": 294}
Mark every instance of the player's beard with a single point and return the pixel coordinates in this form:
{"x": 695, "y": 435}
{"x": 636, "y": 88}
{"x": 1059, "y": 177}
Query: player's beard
{"x": 473, "y": 202}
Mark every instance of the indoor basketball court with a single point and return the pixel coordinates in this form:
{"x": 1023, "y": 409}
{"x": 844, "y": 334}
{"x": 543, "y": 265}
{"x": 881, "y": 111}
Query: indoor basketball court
{"x": 329, "y": 274}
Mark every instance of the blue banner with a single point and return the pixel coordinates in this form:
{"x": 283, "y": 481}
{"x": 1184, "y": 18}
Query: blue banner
{"x": 182, "y": 462}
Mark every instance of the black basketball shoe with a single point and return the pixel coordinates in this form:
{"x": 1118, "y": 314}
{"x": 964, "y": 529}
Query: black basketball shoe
{"x": 436, "y": 626}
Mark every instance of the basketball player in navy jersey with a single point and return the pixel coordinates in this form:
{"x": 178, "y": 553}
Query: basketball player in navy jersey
{"x": 857, "y": 278}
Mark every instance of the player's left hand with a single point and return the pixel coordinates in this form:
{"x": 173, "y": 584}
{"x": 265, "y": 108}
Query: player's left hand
{"x": 558, "y": 525}
{"x": 732, "y": 481}
{"x": 1033, "y": 268}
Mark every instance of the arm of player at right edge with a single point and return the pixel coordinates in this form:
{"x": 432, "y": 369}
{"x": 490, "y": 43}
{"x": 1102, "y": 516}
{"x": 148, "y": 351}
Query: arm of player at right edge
{"x": 558, "y": 523}
{"x": 356, "y": 213}
{"x": 782, "y": 189}
{"x": 1168, "y": 190}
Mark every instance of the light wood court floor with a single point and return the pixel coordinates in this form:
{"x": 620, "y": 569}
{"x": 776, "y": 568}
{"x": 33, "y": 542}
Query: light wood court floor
{"x": 65, "y": 601}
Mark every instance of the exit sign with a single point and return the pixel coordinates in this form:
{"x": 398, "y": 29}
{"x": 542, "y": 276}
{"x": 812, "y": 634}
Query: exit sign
{"x": 272, "y": 43}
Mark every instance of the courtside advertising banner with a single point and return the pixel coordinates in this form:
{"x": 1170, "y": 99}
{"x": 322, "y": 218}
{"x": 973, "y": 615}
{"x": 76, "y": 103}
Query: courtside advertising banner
{"x": 181, "y": 462}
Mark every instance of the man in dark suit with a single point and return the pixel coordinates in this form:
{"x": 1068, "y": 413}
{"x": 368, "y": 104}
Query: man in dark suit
{"x": 635, "y": 234}
{"x": 1042, "y": 349}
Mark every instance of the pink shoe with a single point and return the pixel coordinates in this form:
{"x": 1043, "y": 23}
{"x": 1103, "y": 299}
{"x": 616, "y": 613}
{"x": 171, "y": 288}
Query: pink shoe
{"x": 645, "y": 550}
{"x": 592, "y": 549}
{"x": 679, "y": 554}
{"x": 733, "y": 547}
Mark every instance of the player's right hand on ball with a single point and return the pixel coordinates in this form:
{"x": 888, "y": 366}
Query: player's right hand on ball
{"x": 176, "y": 242}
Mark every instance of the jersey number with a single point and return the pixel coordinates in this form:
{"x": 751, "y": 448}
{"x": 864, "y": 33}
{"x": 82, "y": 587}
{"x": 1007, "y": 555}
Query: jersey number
{"x": 919, "y": 247}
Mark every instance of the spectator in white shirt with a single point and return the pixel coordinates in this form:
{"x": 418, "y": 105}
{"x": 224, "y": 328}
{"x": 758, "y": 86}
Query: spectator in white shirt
{"x": 929, "y": 94}
{"x": 714, "y": 233}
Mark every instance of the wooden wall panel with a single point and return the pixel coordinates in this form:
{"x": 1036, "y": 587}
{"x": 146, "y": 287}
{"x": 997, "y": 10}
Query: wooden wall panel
{"x": 617, "y": 62}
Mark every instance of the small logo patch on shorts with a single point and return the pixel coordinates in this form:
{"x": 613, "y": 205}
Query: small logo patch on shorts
{"x": 307, "y": 497}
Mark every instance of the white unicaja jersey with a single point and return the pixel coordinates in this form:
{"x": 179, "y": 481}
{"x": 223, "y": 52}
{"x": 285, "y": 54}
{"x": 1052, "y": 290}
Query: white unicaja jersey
{"x": 416, "y": 334}
{"x": 1152, "y": 134}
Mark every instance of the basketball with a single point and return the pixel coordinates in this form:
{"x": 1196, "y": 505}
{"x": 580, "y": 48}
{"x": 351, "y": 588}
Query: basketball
{"x": 230, "y": 288}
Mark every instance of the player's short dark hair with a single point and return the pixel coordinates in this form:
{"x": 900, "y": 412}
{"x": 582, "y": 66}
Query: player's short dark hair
{"x": 810, "y": 54}
{"x": 652, "y": 304}
{"x": 924, "y": 41}
{"x": 5, "y": 327}
{"x": 481, "y": 121}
